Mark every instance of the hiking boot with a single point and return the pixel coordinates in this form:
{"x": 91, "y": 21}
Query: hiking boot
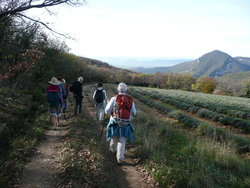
{"x": 96, "y": 117}
{"x": 119, "y": 162}
{"x": 112, "y": 151}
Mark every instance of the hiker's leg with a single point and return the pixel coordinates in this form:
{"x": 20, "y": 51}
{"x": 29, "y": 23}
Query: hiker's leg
{"x": 64, "y": 106}
{"x": 58, "y": 114}
{"x": 113, "y": 143}
{"x": 80, "y": 105}
{"x": 120, "y": 149}
{"x": 96, "y": 111}
{"x": 53, "y": 120}
{"x": 53, "y": 115}
{"x": 76, "y": 106}
{"x": 101, "y": 112}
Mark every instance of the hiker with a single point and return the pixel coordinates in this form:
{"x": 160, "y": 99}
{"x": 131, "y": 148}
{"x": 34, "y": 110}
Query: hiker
{"x": 76, "y": 88}
{"x": 66, "y": 87}
{"x": 59, "y": 79}
{"x": 55, "y": 101}
{"x": 100, "y": 96}
{"x": 120, "y": 128}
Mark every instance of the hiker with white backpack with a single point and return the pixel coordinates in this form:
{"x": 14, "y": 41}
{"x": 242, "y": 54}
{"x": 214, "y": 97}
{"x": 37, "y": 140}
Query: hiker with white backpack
{"x": 100, "y": 96}
{"x": 121, "y": 108}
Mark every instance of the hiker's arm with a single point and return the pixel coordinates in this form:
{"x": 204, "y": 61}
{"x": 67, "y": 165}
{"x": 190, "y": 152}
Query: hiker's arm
{"x": 94, "y": 94}
{"x": 133, "y": 109}
{"x": 109, "y": 106}
{"x": 105, "y": 95}
{"x": 106, "y": 100}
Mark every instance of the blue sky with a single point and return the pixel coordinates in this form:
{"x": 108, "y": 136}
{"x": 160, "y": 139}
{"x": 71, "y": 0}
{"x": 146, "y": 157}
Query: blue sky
{"x": 159, "y": 28}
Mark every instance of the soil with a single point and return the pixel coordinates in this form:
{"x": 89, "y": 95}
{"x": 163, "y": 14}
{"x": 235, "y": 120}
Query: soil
{"x": 42, "y": 170}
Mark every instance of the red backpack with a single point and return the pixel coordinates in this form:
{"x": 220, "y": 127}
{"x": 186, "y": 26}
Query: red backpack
{"x": 121, "y": 109}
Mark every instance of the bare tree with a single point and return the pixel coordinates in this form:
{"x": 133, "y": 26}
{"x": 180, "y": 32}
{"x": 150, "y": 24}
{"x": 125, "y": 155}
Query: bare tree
{"x": 17, "y": 8}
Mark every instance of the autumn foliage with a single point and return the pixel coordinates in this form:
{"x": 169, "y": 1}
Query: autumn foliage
{"x": 28, "y": 61}
{"x": 204, "y": 84}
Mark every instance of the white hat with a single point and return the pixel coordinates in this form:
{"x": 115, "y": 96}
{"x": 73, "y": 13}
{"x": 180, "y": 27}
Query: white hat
{"x": 53, "y": 81}
{"x": 122, "y": 87}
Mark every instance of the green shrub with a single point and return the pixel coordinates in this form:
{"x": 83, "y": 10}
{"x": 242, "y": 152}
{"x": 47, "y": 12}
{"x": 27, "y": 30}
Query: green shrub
{"x": 241, "y": 144}
{"x": 193, "y": 109}
{"x": 205, "y": 129}
{"x": 227, "y": 120}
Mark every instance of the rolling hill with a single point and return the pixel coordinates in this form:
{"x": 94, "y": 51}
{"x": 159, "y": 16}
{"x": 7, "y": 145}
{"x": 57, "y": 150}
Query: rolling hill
{"x": 212, "y": 64}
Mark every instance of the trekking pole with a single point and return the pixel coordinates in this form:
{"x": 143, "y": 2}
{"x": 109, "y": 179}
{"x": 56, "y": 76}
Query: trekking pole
{"x": 103, "y": 124}
{"x": 102, "y": 130}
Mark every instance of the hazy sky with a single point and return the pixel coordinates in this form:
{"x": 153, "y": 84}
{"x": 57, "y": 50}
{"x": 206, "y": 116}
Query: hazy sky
{"x": 156, "y": 28}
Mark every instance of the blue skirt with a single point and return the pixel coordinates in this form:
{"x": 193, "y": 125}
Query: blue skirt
{"x": 114, "y": 130}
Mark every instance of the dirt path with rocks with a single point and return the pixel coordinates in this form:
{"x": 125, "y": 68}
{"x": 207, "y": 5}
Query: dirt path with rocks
{"x": 42, "y": 170}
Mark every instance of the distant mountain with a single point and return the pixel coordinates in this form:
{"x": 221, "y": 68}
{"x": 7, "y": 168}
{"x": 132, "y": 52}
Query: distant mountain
{"x": 212, "y": 64}
{"x": 150, "y": 70}
{"x": 145, "y": 62}
{"x": 243, "y": 60}
{"x": 101, "y": 64}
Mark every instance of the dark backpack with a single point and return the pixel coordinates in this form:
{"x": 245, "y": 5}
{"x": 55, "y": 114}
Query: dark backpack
{"x": 99, "y": 96}
{"x": 53, "y": 98}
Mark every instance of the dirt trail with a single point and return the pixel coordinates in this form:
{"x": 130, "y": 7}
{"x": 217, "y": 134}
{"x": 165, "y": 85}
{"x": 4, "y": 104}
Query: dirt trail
{"x": 42, "y": 170}
{"x": 130, "y": 175}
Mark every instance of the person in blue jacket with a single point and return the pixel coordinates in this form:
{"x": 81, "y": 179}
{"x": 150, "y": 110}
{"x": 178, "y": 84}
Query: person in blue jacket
{"x": 116, "y": 133}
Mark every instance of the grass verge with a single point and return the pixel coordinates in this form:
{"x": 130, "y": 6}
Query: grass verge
{"x": 177, "y": 159}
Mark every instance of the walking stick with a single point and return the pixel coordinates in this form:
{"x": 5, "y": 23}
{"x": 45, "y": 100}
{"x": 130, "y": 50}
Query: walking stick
{"x": 102, "y": 130}
{"x": 103, "y": 124}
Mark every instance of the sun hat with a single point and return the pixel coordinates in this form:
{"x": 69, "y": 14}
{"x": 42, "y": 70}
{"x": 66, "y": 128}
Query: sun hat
{"x": 122, "y": 87}
{"x": 53, "y": 81}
